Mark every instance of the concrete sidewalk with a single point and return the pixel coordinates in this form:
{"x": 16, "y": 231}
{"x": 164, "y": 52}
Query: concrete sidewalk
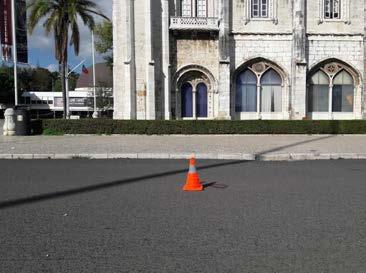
{"x": 245, "y": 147}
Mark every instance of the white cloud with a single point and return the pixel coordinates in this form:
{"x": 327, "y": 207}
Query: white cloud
{"x": 39, "y": 39}
{"x": 52, "y": 67}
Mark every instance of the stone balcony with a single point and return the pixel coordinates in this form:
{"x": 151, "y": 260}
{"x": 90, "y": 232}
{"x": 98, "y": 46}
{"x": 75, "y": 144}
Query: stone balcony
{"x": 194, "y": 23}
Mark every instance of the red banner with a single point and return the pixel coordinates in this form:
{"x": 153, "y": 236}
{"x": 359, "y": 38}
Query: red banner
{"x": 5, "y": 22}
{"x": 6, "y": 39}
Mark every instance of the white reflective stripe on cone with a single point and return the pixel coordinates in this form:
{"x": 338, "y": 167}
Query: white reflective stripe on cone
{"x": 192, "y": 169}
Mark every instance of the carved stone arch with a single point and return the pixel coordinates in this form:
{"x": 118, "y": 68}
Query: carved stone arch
{"x": 259, "y": 66}
{"x": 195, "y": 74}
{"x": 333, "y": 66}
{"x": 254, "y": 65}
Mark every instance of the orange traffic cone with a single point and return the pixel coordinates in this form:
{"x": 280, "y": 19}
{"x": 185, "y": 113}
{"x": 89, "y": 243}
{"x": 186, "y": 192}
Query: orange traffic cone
{"x": 193, "y": 181}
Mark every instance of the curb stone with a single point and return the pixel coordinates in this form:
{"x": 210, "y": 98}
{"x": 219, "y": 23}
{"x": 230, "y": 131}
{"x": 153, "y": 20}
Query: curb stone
{"x": 43, "y": 156}
{"x": 221, "y": 156}
{"x": 122, "y": 156}
{"x": 152, "y": 156}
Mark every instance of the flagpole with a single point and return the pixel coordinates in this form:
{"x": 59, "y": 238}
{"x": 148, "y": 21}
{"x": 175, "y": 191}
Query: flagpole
{"x": 67, "y": 92}
{"x": 68, "y": 73}
{"x": 15, "y": 57}
{"x": 95, "y": 114}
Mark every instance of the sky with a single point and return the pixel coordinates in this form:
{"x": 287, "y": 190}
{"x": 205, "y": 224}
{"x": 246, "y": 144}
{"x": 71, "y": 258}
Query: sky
{"x": 41, "y": 46}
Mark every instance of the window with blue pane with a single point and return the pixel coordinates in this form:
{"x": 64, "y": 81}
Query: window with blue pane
{"x": 187, "y": 102}
{"x": 259, "y": 8}
{"x": 201, "y": 100}
{"x": 246, "y": 92}
{"x": 331, "y": 89}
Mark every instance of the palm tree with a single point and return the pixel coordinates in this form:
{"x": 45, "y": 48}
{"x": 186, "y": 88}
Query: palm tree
{"x": 60, "y": 17}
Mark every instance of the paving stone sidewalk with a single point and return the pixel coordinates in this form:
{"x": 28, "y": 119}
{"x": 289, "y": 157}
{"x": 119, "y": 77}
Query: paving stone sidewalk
{"x": 245, "y": 147}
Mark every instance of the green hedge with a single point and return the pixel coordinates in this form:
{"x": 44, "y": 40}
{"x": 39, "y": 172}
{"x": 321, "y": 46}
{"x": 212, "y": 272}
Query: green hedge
{"x": 108, "y": 126}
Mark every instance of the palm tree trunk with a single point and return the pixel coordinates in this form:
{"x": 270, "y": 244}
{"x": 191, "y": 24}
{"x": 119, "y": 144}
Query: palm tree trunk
{"x": 63, "y": 87}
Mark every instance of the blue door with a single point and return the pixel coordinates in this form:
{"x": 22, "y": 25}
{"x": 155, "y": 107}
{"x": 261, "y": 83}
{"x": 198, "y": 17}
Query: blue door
{"x": 187, "y": 109}
{"x": 201, "y": 100}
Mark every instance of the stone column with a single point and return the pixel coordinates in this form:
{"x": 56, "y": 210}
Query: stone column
{"x": 118, "y": 67}
{"x": 124, "y": 87}
{"x": 297, "y": 107}
{"x": 363, "y": 88}
{"x": 150, "y": 69}
{"x": 224, "y": 63}
{"x": 166, "y": 59}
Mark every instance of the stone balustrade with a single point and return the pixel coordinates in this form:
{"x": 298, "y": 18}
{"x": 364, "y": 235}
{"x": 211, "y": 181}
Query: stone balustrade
{"x": 194, "y": 23}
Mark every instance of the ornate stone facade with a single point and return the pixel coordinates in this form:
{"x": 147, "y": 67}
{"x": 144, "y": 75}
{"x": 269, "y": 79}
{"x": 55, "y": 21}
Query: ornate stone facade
{"x": 239, "y": 59}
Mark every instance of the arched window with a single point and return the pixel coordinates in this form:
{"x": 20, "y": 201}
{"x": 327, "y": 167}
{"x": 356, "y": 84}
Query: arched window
{"x": 258, "y": 86}
{"x": 331, "y": 89}
{"x": 318, "y": 97}
{"x": 201, "y": 100}
{"x": 342, "y": 95}
{"x": 246, "y": 92}
{"x": 332, "y": 9}
{"x": 187, "y": 102}
{"x": 271, "y": 92}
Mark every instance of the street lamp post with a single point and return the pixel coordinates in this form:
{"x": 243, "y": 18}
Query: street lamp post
{"x": 67, "y": 92}
{"x": 68, "y": 73}
{"x": 95, "y": 114}
{"x": 15, "y": 56}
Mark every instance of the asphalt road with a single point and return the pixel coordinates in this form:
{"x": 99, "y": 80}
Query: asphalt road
{"x": 132, "y": 216}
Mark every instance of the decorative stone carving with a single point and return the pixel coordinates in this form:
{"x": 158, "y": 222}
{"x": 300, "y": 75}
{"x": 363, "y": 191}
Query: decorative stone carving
{"x": 194, "y": 72}
{"x": 332, "y": 68}
{"x": 259, "y": 67}
{"x": 194, "y": 23}
{"x": 9, "y": 123}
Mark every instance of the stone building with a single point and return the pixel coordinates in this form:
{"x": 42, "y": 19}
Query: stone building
{"x": 239, "y": 59}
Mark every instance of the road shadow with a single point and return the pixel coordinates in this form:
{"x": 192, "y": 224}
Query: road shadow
{"x": 91, "y": 188}
{"x": 277, "y": 149}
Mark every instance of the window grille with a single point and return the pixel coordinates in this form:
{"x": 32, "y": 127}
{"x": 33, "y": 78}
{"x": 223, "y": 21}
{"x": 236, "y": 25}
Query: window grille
{"x": 186, "y": 6}
{"x": 259, "y": 9}
{"x": 201, "y": 8}
{"x": 332, "y": 9}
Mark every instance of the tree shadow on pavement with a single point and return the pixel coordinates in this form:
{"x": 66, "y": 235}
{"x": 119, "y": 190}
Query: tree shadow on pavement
{"x": 91, "y": 188}
{"x": 277, "y": 149}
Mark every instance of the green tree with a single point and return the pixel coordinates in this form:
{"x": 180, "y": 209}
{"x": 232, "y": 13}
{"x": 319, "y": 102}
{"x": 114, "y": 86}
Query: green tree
{"x": 35, "y": 79}
{"x": 42, "y": 80}
{"x": 56, "y": 82}
{"x": 104, "y": 41}
{"x": 6, "y": 85}
{"x": 29, "y": 79}
{"x": 60, "y": 17}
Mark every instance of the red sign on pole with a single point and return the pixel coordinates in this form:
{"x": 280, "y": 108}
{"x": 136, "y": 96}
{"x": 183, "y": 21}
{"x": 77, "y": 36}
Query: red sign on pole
{"x": 6, "y": 28}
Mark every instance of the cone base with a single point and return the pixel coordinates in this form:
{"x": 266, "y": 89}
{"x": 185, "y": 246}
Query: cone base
{"x": 190, "y": 188}
{"x": 193, "y": 182}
